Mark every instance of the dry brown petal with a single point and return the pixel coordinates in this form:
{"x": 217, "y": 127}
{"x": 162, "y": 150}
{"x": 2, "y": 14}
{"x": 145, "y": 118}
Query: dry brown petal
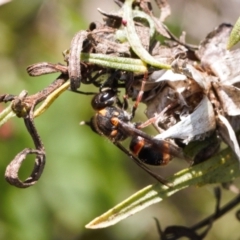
{"x": 229, "y": 97}
{"x": 203, "y": 80}
{"x": 226, "y": 68}
{"x": 201, "y": 121}
{"x": 164, "y": 98}
{"x": 214, "y": 45}
{"x": 228, "y": 135}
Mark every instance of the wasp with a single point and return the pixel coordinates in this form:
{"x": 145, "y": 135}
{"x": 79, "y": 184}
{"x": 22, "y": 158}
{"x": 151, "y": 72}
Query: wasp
{"x": 114, "y": 122}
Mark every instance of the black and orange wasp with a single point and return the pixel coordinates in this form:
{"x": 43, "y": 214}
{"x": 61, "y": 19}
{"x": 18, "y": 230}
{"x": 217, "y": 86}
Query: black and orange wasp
{"x": 114, "y": 122}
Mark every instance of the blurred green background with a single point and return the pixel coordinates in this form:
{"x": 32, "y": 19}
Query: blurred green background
{"x": 85, "y": 174}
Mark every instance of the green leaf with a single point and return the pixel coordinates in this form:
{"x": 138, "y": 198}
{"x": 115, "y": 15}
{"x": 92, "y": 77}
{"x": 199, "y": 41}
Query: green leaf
{"x": 223, "y": 167}
{"x": 6, "y": 114}
{"x": 235, "y": 35}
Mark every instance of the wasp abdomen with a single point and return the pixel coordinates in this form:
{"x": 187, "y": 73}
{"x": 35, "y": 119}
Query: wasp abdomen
{"x": 148, "y": 153}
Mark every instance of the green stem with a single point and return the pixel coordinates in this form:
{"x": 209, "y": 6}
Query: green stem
{"x": 122, "y": 63}
{"x": 134, "y": 40}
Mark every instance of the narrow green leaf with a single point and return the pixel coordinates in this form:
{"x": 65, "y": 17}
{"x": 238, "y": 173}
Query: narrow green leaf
{"x": 235, "y": 35}
{"x": 6, "y": 114}
{"x": 51, "y": 98}
{"x": 123, "y": 63}
{"x": 221, "y": 168}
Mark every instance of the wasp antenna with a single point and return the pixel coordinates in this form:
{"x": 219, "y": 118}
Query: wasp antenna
{"x": 84, "y": 123}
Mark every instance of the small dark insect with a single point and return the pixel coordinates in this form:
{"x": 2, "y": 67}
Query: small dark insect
{"x": 114, "y": 122}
